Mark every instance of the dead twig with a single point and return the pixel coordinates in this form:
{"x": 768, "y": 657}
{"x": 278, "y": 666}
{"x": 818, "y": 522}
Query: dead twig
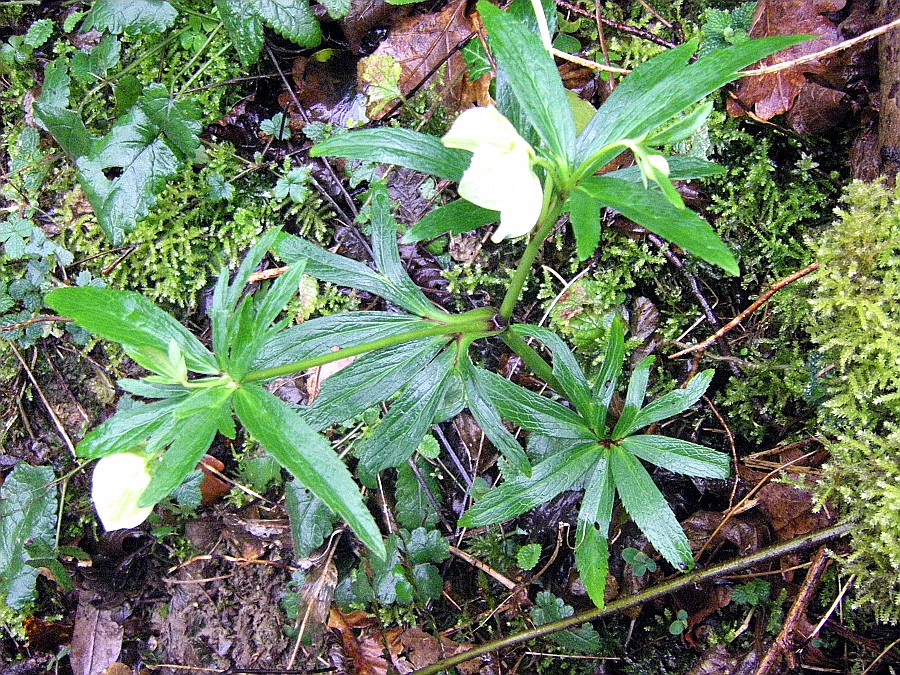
{"x": 846, "y": 44}
{"x": 685, "y": 581}
{"x": 784, "y": 645}
{"x": 736, "y": 321}
{"x": 30, "y": 322}
{"x": 487, "y": 569}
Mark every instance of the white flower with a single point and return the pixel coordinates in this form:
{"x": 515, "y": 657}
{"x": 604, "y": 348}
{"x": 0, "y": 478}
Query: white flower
{"x": 119, "y": 481}
{"x": 500, "y": 176}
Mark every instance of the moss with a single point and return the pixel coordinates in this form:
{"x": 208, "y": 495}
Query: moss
{"x": 854, "y": 319}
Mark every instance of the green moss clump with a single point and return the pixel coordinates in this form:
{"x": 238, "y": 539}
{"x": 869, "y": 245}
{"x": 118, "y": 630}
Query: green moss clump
{"x": 854, "y": 320}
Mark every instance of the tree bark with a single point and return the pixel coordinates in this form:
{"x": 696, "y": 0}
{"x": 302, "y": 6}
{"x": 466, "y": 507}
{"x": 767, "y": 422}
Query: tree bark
{"x": 889, "y": 106}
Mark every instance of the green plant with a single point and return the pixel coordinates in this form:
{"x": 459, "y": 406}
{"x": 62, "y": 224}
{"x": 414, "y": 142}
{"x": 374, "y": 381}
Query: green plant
{"x": 680, "y": 624}
{"x": 639, "y": 562}
{"x": 524, "y": 167}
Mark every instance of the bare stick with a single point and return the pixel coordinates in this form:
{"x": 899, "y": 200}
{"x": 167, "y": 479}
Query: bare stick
{"x": 730, "y": 567}
{"x": 736, "y": 321}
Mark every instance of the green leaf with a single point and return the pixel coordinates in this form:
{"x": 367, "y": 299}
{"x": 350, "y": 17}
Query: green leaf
{"x": 308, "y": 457}
{"x": 50, "y": 109}
{"x": 131, "y": 16}
{"x": 581, "y": 640}
{"x": 599, "y": 496}
{"x": 189, "y": 494}
{"x": 413, "y": 507}
{"x": 91, "y": 67}
{"x": 456, "y": 217}
{"x": 244, "y": 20}
{"x": 682, "y": 129}
{"x": 649, "y": 208}
{"x": 311, "y": 521}
{"x": 411, "y": 415}
{"x": 592, "y": 560}
{"x": 528, "y": 556}
{"x": 566, "y": 369}
{"x": 514, "y": 497}
{"x": 534, "y": 79}
{"x": 531, "y": 411}
{"x": 668, "y": 405}
{"x": 338, "y": 331}
{"x": 634, "y": 399}
{"x": 679, "y": 456}
{"x": 38, "y": 33}
{"x": 402, "y": 147}
{"x": 584, "y": 214}
{"x": 196, "y": 423}
{"x": 125, "y": 171}
{"x": 337, "y": 9}
{"x": 129, "y": 428}
{"x": 134, "y": 322}
{"x": 179, "y": 121}
{"x": 27, "y": 517}
{"x": 605, "y": 386}
{"x": 427, "y": 581}
{"x": 488, "y": 418}
{"x": 426, "y": 546}
{"x": 387, "y": 255}
{"x": 477, "y": 61}
{"x": 682, "y": 167}
{"x": 648, "y": 508}
{"x": 661, "y": 88}
{"x": 370, "y": 380}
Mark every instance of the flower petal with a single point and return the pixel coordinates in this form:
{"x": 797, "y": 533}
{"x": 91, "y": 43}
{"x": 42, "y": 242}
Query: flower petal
{"x": 118, "y": 482}
{"x": 520, "y": 213}
{"x": 484, "y": 128}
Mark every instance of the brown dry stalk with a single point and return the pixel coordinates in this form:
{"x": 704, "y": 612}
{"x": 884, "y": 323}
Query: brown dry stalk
{"x": 736, "y": 321}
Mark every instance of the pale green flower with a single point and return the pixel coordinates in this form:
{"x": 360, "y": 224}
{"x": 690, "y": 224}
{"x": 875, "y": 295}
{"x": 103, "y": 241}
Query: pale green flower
{"x": 500, "y": 176}
{"x": 118, "y": 482}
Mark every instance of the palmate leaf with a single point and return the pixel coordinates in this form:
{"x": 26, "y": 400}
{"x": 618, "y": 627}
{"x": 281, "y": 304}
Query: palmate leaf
{"x": 308, "y": 457}
{"x": 244, "y": 21}
{"x": 649, "y": 208}
{"x": 134, "y": 322}
{"x": 679, "y": 456}
{"x": 666, "y": 406}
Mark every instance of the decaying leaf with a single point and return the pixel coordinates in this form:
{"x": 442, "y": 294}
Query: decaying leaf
{"x": 97, "y": 637}
{"x": 798, "y": 91}
{"x": 426, "y": 47}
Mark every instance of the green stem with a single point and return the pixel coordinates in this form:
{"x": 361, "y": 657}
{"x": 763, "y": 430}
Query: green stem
{"x": 549, "y": 214}
{"x": 534, "y": 361}
{"x": 764, "y": 555}
{"x": 477, "y": 325}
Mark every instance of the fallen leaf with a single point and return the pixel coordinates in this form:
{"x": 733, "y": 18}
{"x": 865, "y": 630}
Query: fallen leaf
{"x": 791, "y": 511}
{"x": 776, "y": 93}
{"x": 319, "y": 374}
{"x": 212, "y": 488}
{"x": 96, "y": 638}
{"x": 46, "y": 636}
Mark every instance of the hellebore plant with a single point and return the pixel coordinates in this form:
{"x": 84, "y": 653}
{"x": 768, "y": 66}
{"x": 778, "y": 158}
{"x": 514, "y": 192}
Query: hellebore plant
{"x": 520, "y": 164}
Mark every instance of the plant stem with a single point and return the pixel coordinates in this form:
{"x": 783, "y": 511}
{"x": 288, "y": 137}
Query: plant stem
{"x": 652, "y": 593}
{"x": 438, "y": 329}
{"x": 549, "y": 214}
{"x": 534, "y": 361}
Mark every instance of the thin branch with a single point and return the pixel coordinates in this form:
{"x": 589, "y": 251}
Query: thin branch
{"x": 736, "y": 321}
{"x": 666, "y": 588}
{"x": 846, "y": 44}
{"x": 30, "y": 322}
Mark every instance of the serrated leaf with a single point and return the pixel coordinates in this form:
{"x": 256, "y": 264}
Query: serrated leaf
{"x": 244, "y": 20}
{"x": 634, "y": 398}
{"x": 38, "y": 33}
{"x": 308, "y": 457}
{"x": 581, "y": 640}
{"x": 592, "y": 559}
{"x": 411, "y": 415}
{"x": 311, "y": 521}
{"x": 128, "y": 428}
{"x": 179, "y": 121}
{"x": 410, "y": 149}
{"x": 680, "y": 168}
{"x": 426, "y": 546}
{"x": 337, "y": 9}
{"x": 649, "y": 208}
{"x": 667, "y": 405}
{"x": 91, "y": 67}
{"x": 528, "y": 556}
{"x": 584, "y": 214}
{"x": 648, "y": 508}
{"x": 428, "y": 582}
{"x": 605, "y": 385}
{"x": 413, "y": 507}
{"x": 134, "y": 322}
{"x": 520, "y": 494}
{"x": 370, "y": 380}
{"x": 679, "y": 456}
{"x": 27, "y": 517}
{"x": 131, "y": 16}
{"x": 188, "y": 494}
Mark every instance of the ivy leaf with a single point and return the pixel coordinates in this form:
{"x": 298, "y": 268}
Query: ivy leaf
{"x": 27, "y": 517}
{"x": 179, "y": 121}
{"x": 425, "y": 546}
{"x": 13, "y": 232}
{"x": 582, "y": 640}
{"x": 131, "y": 16}
{"x": 90, "y": 67}
{"x": 244, "y": 20}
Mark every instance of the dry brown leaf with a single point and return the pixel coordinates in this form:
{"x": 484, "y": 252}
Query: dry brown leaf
{"x": 426, "y": 43}
{"x": 791, "y": 511}
{"x": 96, "y": 638}
{"x": 318, "y": 375}
{"x": 212, "y": 488}
{"x": 776, "y": 93}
